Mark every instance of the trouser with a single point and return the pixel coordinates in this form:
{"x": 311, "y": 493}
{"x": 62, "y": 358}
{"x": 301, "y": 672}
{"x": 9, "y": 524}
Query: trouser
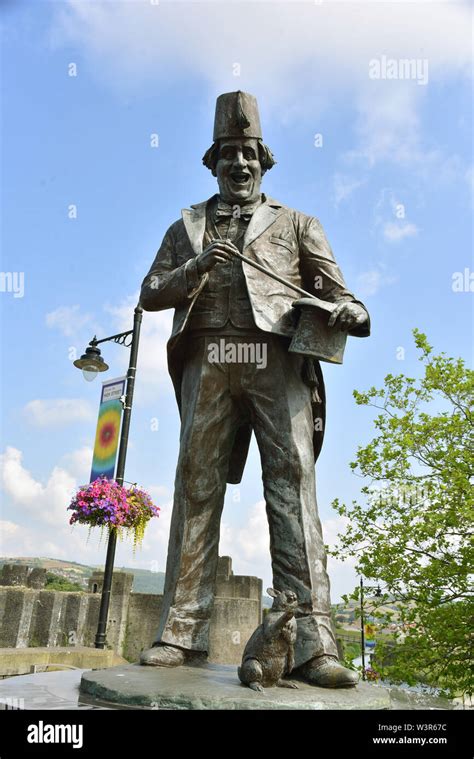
{"x": 216, "y": 398}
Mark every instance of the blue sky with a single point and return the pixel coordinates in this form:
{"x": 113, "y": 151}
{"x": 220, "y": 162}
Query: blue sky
{"x": 391, "y": 183}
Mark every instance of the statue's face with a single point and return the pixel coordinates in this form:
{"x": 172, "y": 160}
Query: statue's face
{"x": 238, "y": 170}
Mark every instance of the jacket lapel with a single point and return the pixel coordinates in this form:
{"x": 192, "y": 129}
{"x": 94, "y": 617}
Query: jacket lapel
{"x": 263, "y": 217}
{"x": 194, "y": 219}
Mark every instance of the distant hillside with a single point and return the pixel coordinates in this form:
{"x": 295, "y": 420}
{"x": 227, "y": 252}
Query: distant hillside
{"x": 144, "y": 581}
{"x": 41, "y": 561}
{"x": 267, "y": 602}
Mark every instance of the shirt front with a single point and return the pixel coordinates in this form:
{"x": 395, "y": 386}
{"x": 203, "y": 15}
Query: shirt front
{"x": 227, "y": 287}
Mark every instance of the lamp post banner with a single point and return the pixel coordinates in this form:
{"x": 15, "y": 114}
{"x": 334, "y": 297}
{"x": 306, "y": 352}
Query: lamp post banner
{"x": 108, "y": 428}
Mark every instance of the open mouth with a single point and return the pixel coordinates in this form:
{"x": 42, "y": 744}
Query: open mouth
{"x": 240, "y": 177}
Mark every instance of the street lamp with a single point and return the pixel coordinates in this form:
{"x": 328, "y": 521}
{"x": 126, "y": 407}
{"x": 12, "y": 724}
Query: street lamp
{"x": 91, "y": 363}
{"x": 377, "y": 593}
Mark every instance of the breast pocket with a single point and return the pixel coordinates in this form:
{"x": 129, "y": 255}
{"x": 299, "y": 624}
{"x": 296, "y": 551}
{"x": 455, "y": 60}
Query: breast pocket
{"x": 282, "y": 256}
{"x": 283, "y": 242}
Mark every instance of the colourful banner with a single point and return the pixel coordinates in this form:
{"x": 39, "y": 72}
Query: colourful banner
{"x": 370, "y": 631}
{"x": 108, "y": 429}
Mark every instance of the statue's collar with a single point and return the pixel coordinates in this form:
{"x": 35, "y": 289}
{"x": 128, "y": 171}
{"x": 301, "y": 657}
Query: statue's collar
{"x": 266, "y": 200}
{"x": 194, "y": 220}
{"x": 221, "y": 208}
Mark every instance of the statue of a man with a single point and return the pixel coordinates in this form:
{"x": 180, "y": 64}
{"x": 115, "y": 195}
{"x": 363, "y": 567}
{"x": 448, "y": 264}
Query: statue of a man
{"x": 220, "y": 300}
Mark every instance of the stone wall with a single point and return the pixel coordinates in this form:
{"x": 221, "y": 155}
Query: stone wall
{"x": 142, "y": 623}
{"x": 32, "y": 617}
{"x": 23, "y": 576}
{"x": 46, "y": 618}
{"x": 120, "y": 594}
{"x": 24, "y": 661}
{"x": 237, "y": 612}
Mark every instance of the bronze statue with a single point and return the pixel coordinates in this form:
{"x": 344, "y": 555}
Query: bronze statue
{"x": 221, "y": 300}
{"x": 269, "y": 653}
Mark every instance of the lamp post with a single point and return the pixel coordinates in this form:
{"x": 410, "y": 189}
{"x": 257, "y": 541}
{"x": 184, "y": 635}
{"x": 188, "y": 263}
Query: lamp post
{"x": 378, "y": 593}
{"x": 91, "y": 362}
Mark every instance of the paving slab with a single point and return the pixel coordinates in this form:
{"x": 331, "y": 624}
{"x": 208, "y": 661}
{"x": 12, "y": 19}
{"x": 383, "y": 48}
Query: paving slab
{"x": 45, "y": 690}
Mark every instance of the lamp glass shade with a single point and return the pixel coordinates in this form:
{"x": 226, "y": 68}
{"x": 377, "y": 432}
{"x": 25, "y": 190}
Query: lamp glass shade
{"x": 91, "y": 362}
{"x": 89, "y": 372}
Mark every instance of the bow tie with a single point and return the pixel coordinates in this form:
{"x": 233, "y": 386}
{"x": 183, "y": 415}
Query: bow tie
{"x": 224, "y": 209}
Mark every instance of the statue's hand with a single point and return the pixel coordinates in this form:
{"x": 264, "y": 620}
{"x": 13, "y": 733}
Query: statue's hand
{"x": 347, "y": 316}
{"x": 218, "y": 251}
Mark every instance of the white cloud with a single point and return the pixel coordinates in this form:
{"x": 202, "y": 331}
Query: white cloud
{"x": 204, "y": 38}
{"x": 16, "y": 479}
{"x": 8, "y": 529}
{"x": 332, "y": 527}
{"x": 79, "y": 462}
{"x": 389, "y": 129}
{"x": 394, "y": 232}
{"x": 155, "y": 543}
{"x": 58, "y": 411}
{"x": 44, "y": 503}
{"x": 388, "y": 125}
{"x": 152, "y": 369}
{"x": 344, "y": 186}
{"x": 20, "y": 540}
{"x": 36, "y": 520}
{"x": 68, "y": 320}
{"x": 370, "y": 282}
{"x": 159, "y": 493}
{"x": 395, "y": 227}
{"x": 342, "y": 574}
{"x": 251, "y": 540}
{"x": 152, "y": 379}
{"x": 249, "y": 548}
{"x": 327, "y": 49}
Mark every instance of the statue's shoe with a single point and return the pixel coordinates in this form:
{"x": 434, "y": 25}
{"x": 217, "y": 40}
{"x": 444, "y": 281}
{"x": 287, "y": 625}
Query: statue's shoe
{"x": 162, "y": 655}
{"x": 326, "y": 672}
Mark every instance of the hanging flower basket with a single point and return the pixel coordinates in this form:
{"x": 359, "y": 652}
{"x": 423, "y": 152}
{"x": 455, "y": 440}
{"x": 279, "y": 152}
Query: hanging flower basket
{"x": 371, "y": 674}
{"x": 105, "y": 504}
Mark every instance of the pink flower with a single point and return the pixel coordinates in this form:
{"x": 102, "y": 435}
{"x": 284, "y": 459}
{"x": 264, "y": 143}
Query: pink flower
{"x": 105, "y": 503}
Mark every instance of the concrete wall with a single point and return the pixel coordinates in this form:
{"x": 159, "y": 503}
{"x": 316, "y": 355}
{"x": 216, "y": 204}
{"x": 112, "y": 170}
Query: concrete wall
{"x": 30, "y": 617}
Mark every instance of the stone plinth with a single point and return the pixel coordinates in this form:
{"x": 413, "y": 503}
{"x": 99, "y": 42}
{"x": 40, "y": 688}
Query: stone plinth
{"x": 214, "y": 686}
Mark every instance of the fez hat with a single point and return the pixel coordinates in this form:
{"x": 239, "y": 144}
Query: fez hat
{"x": 237, "y": 116}
{"x": 313, "y": 336}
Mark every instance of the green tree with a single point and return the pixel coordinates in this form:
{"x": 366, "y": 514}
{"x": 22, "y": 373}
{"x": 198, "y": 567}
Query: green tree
{"x": 56, "y": 582}
{"x": 413, "y": 533}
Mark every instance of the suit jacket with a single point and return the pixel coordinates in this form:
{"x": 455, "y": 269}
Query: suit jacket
{"x": 288, "y": 242}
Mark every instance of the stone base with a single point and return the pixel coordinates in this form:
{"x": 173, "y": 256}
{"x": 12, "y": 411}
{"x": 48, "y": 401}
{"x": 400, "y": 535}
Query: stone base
{"x": 214, "y": 686}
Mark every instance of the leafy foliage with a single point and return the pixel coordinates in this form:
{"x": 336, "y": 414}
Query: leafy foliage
{"x": 413, "y": 533}
{"x": 56, "y": 582}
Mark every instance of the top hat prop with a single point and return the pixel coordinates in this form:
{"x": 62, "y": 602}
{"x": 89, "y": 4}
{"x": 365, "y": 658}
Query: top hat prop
{"x": 313, "y": 337}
